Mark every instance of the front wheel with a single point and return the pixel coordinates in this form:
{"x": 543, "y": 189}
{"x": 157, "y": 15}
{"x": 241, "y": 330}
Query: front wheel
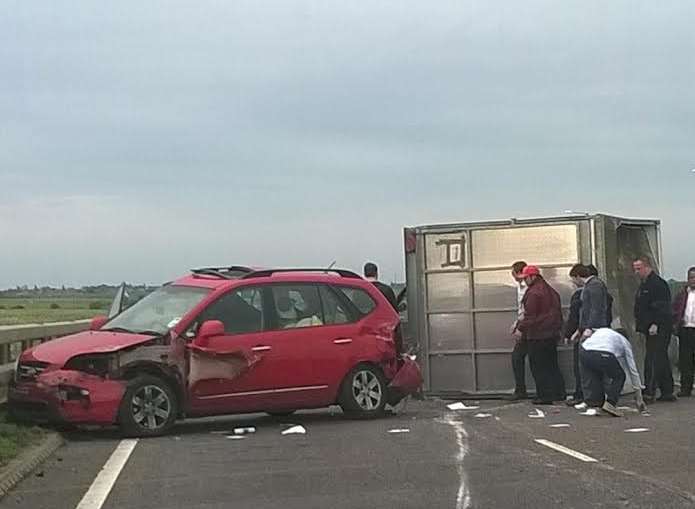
{"x": 363, "y": 393}
{"x": 148, "y": 407}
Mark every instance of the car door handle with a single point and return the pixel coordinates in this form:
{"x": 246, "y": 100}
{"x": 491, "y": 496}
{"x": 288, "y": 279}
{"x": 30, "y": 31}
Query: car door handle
{"x": 342, "y": 341}
{"x": 261, "y": 348}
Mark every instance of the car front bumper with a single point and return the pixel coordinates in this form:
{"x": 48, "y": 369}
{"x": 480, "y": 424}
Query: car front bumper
{"x": 64, "y": 396}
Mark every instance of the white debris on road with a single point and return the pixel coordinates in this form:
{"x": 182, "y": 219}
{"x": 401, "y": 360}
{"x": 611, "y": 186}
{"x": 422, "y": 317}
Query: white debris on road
{"x": 295, "y": 430}
{"x": 539, "y": 414}
{"x": 581, "y": 406}
{"x": 637, "y": 430}
{"x": 461, "y": 406}
{"x": 244, "y": 431}
{"x": 560, "y": 426}
{"x": 235, "y": 437}
{"x": 591, "y": 412}
{"x": 397, "y": 431}
{"x": 482, "y": 416}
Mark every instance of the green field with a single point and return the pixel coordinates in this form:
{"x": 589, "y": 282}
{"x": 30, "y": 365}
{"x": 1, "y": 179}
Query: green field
{"x": 16, "y": 311}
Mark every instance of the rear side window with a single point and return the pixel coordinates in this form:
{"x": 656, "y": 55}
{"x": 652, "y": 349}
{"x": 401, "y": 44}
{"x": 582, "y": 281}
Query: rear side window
{"x": 359, "y": 298}
{"x": 297, "y": 306}
{"x": 334, "y": 311}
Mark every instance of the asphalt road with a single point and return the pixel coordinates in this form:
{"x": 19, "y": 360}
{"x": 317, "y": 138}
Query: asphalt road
{"x": 447, "y": 460}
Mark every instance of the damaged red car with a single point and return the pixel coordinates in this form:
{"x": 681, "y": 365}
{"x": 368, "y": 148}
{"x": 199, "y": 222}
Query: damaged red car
{"x": 223, "y": 341}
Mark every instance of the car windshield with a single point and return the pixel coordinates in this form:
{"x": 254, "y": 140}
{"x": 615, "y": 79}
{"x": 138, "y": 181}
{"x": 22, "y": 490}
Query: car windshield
{"x": 159, "y": 311}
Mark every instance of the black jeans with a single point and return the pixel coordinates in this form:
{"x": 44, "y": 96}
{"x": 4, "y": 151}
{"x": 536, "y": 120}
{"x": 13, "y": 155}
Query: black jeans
{"x": 686, "y": 358}
{"x": 550, "y": 385}
{"x": 657, "y": 368}
{"x": 519, "y": 366}
{"x": 578, "y": 392}
{"x": 596, "y": 367}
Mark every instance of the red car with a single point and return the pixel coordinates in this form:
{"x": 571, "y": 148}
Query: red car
{"x": 223, "y": 341}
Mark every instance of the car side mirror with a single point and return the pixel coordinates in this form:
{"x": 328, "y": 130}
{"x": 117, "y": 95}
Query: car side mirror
{"x": 209, "y": 329}
{"x": 98, "y": 322}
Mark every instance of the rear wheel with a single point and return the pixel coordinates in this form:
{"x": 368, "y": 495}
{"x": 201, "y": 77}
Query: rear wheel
{"x": 363, "y": 393}
{"x": 148, "y": 408}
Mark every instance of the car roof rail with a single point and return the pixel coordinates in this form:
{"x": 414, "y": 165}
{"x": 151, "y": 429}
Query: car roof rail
{"x": 232, "y": 272}
{"x": 269, "y": 272}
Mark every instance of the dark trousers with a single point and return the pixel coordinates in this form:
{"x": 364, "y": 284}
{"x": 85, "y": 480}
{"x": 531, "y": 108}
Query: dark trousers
{"x": 578, "y": 392}
{"x": 519, "y": 366}
{"x": 550, "y": 385}
{"x": 602, "y": 376}
{"x": 657, "y": 368}
{"x": 686, "y": 358}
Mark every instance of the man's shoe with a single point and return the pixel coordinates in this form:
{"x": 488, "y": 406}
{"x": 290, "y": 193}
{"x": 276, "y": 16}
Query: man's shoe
{"x": 517, "y": 396}
{"x": 610, "y": 409}
{"x": 573, "y": 402}
{"x": 669, "y": 398}
{"x": 683, "y": 394}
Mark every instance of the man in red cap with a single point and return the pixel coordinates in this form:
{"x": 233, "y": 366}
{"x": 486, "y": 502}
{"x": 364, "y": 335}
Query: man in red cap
{"x": 540, "y": 326}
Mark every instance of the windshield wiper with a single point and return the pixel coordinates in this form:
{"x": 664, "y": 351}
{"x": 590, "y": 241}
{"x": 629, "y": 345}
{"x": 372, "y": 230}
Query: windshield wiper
{"x": 149, "y": 332}
{"x": 118, "y": 329}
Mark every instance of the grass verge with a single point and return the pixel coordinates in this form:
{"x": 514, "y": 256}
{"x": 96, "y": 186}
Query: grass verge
{"x": 14, "y": 437}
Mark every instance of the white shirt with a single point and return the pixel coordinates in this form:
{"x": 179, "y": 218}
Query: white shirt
{"x": 607, "y": 340}
{"x": 520, "y": 292}
{"x": 689, "y": 316}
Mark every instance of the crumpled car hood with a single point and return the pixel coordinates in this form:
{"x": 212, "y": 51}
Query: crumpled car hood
{"x": 60, "y": 350}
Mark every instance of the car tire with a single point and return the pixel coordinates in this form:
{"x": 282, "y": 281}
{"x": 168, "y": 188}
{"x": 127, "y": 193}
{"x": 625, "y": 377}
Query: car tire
{"x": 148, "y": 408}
{"x": 363, "y": 393}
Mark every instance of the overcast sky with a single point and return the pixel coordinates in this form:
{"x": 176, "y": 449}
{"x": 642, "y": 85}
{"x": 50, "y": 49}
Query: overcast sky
{"x": 138, "y": 139}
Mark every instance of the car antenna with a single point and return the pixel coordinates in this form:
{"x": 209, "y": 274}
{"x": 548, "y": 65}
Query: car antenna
{"x": 330, "y": 266}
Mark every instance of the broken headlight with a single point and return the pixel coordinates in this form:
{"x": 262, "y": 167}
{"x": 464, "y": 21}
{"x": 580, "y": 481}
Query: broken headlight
{"x": 99, "y": 365}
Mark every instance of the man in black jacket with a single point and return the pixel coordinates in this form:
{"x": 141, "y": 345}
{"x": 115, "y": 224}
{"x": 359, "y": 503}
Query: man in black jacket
{"x": 371, "y": 274}
{"x": 653, "y": 319}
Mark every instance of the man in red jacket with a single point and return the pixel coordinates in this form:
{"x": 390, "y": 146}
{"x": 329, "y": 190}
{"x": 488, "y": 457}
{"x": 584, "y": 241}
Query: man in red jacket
{"x": 540, "y": 326}
{"x": 684, "y": 325}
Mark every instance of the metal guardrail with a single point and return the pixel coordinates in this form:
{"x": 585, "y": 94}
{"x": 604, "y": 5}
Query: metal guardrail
{"x": 14, "y": 339}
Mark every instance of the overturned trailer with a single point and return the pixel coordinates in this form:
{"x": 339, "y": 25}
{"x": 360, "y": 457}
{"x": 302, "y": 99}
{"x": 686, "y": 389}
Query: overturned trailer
{"x": 462, "y": 298}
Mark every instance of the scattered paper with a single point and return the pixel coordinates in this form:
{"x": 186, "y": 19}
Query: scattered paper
{"x": 637, "y": 430}
{"x": 235, "y": 437}
{"x": 560, "y": 426}
{"x": 397, "y": 431}
{"x": 461, "y": 406}
{"x": 482, "y": 416}
{"x": 295, "y": 430}
{"x": 539, "y": 414}
{"x": 591, "y": 412}
{"x": 581, "y": 406}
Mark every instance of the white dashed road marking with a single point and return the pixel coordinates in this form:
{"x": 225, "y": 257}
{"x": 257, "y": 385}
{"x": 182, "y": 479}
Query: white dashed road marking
{"x": 566, "y": 450}
{"x": 102, "y": 485}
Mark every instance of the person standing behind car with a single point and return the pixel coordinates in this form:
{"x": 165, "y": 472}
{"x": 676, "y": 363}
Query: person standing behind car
{"x": 653, "y": 318}
{"x": 609, "y": 304}
{"x": 571, "y": 327}
{"x": 520, "y": 351}
{"x": 540, "y": 325}
{"x": 684, "y": 323}
{"x": 594, "y": 309}
{"x": 371, "y": 274}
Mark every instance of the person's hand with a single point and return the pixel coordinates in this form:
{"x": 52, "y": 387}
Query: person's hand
{"x": 575, "y": 337}
{"x": 512, "y": 329}
{"x": 653, "y": 330}
{"x": 517, "y": 335}
{"x": 639, "y": 402}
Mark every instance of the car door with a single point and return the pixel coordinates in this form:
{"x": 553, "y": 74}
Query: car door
{"x": 235, "y": 372}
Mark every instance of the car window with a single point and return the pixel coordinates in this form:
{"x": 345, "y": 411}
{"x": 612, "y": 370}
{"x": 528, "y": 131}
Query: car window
{"x": 241, "y": 311}
{"x": 333, "y": 310}
{"x": 359, "y": 298}
{"x": 297, "y": 306}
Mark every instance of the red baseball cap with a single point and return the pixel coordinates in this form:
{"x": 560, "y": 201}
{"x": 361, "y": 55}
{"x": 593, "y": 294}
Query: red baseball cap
{"x": 530, "y": 270}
